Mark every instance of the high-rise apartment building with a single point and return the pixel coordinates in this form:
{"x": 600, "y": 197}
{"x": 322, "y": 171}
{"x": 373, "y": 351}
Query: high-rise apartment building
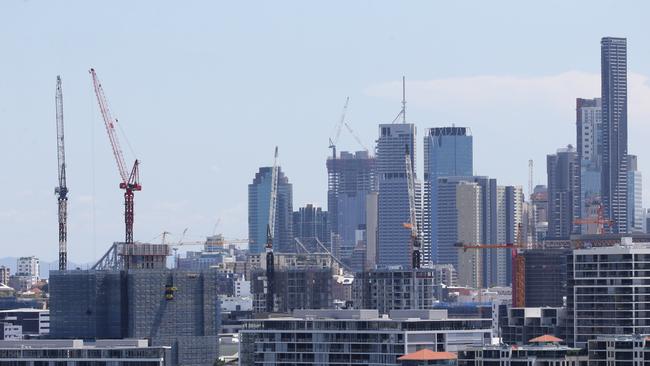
{"x": 608, "y": 290}
{"x": 393, "y": 240}
{"x": 259, "y": 199}
{"x": 563, "y": 174}
{"x": 447, "y": 153}
{"x": 614, "y": 122}
{"x": 350, "y": 177}
{"x": 310, "y": 222}
{"x": 509, "y": 227}
{"x": 635, "y": 215}
{"x": 589, "y": 139}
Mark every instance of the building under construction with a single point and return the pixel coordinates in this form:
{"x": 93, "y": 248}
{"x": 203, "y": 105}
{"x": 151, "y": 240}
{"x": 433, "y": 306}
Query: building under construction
{"x": 135, "y": 296}
{"x": 301, "y": 280}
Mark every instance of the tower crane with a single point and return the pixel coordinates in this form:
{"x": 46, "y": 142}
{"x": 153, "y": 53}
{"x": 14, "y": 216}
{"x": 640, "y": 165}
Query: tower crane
{"x": 338, "y": 128}
{"x": 599, "y": 220}
{"x": 412, "y": 224}
{"x": 62, "y": 190}
{"x": 270, "y": 270}
{"x": 518, "y": 265}
{"x": 130, "y": 180}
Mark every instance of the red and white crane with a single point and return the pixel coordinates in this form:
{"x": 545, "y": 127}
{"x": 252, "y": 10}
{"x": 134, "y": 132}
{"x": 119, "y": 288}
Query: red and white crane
{"x": 130, "y": 180}
{"x": 62, "y": 190}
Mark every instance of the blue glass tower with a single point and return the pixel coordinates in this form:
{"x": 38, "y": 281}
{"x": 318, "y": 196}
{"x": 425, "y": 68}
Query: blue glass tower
{"x": 447, "y": 153}
{"x": 259, "y": 197}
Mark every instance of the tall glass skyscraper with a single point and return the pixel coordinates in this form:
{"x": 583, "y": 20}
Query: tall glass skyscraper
{"x": 614, "y": 120}
{"x": 589, "y": 138}
{"x": 448, "y": 152}
{"x": 393, "y": 239}
{"x": 563, "y": 174}
{"x": 350, "y": 178}
{"x": 259, "y": 198}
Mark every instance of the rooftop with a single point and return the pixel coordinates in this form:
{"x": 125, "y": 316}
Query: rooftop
{"x": 547, "y": 338}
{"x": 428, "y": 355}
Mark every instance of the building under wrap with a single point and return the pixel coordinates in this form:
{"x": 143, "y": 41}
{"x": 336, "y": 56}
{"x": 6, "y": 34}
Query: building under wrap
{"x": 169, "y": 307}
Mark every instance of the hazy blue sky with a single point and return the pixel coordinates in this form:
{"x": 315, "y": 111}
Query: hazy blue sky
{"x": 204, "y": 90}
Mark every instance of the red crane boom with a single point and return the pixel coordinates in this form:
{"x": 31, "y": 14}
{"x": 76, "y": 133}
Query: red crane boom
{"x": 130, "y": 180}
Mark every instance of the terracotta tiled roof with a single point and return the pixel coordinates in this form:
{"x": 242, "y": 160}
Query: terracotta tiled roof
{"x": 547, "y": 338}
{"x": 428, "y": 355}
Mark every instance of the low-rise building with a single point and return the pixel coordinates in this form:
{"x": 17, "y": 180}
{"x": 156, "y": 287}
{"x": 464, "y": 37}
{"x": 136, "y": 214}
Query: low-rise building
{"x": 119, "y": 352}
{"x": 33, "y": 322}
{"x": 355, "y": 336}
{"x": 518, "y": 325}
{"x": 627, "y": 350}
{"x": 396, "y": 289}
{"x": 541, "y": 351}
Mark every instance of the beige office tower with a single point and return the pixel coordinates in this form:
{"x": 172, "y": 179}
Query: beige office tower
{"x": 469, "y": 207}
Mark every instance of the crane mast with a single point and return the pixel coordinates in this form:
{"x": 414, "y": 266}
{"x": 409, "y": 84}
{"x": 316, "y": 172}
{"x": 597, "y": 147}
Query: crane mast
{"x": 270, "y": 227}
{"x": 62, "y": 190}
{"x": 412, "y": 224}
{"x": 130, "y": 180}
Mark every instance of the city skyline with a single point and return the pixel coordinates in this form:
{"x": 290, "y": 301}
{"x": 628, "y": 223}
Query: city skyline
{"x": 180, "y": 122}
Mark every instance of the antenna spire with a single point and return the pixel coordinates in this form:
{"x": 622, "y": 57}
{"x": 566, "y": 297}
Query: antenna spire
{"x": 403, "y": 99}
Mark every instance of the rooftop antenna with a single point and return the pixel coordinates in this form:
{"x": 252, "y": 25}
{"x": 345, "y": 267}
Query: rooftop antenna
{"x": 403, "y": 99}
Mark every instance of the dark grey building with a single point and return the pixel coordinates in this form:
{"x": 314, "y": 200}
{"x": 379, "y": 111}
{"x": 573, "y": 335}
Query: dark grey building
{"x": 448, "y": 152}
{"x": 295, "y": 288}
{"x": 172, "y": 308}
{"x": 545, "y": 273}
{"x": 310, "y": 222}
{"x": 259, "y": 199}
{"x": 350, "y": 178}
{"x": 519, "y": 325}
{"x": 614, "y": 120}
{"x": 563, "y": 174}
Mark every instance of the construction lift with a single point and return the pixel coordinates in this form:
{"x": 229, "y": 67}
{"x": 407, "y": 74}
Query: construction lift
{"x": 130, "y": 180}
{"x": 62, "y": 190}
{"x": 270, "y": 270}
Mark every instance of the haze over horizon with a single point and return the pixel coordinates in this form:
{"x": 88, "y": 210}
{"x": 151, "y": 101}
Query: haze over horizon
{"x": 204, "y": 93}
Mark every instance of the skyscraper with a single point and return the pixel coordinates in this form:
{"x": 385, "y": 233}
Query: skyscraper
{"x": 563, "y": 174}
{"x": 447, "y": 153}
{"x": 351, "y": 177}
{"x": 590, "y": 147}
{"x": 310, "y": 222}
{"x": 635, "y": 215}
{"x": 614, "y": 120}
{"x": 259, "y": 197}
{"x": 393, "y": 240}
{"x": 469, "y": 211}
